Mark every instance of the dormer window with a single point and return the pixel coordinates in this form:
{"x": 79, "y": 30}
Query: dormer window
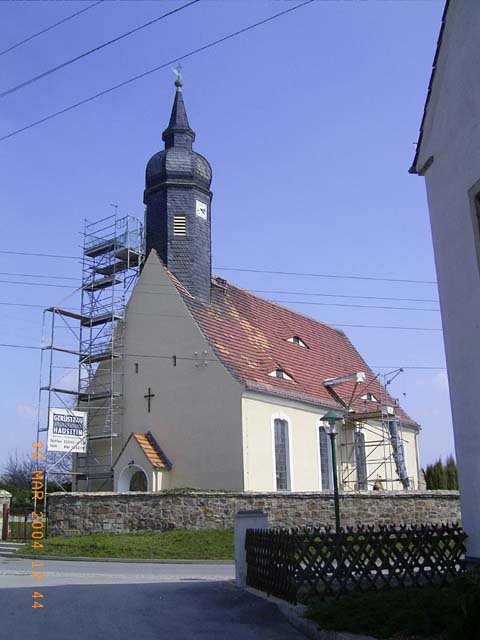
{"x": 298, "y": 341}
{"x": 369, "y": 397}
{"x": 280, "y": 373}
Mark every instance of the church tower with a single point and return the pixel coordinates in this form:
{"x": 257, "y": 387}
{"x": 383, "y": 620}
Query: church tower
{"x": 177, "y": 198}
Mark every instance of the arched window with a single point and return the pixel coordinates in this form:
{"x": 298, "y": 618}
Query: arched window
{"x": 282, "y": 455}
{"x": 361, "y": 460}
{"x": 326, "y": 468}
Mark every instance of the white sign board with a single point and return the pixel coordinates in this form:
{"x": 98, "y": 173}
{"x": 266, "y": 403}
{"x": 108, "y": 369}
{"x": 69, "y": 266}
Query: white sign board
{"x": 67, "y": 431}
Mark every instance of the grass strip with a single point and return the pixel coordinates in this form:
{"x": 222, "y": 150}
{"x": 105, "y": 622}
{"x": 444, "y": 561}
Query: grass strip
{"x": 175, "y": 544}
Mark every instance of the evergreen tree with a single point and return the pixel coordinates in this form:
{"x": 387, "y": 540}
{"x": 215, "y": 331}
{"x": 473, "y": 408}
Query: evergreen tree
{"x": 442, "y": 476}
{"x": 451, "y": 471}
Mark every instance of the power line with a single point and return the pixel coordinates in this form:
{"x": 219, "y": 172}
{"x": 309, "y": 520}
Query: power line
{"x": 21, "y": 304}
{"x": 270, "y": 272}
{"x": 330, "y": 324}
{"x": 410, "y": 367}
{"x": 162, "y": 66}
{"x": 190, "y": 359}
{"x": 38, "y": 284}
{"x": 156, "y": 292}
{"x": 39, "y": 33}
{"x": 334, "y": 295}
{"x": 345, "y": 304}
{"x": 95, "y": 49}
{"x": 19, "y": 346}
{"x": 326, "y": 275}
{"x": 39, "y": 275}
{"x": 372, "y": 326}
{"x": 269, "y": 291}
{"x": 38, "y": 255}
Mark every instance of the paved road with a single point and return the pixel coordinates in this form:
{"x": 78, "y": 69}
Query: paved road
{"x": 117, "y": 601}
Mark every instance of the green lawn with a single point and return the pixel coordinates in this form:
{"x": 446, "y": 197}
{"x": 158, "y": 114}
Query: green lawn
{"x": 175, "y": 544}
{"x": 442, "y": 613}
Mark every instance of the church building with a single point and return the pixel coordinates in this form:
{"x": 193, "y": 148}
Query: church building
{"x": 221, "y": 389}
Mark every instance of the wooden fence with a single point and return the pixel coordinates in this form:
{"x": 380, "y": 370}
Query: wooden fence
{"x": 301, "y": 564}
{"x": 17, "y": 523}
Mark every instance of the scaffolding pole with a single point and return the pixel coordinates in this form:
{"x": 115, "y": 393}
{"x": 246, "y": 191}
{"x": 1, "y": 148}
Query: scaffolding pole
{"x": 87, "y": 338}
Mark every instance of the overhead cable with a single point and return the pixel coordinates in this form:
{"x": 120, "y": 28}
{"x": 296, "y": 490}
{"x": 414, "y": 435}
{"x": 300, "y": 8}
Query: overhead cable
{"x": 52, "y": 26}
{"x": 94, "y": 50}
{"x": 161, "y": 66}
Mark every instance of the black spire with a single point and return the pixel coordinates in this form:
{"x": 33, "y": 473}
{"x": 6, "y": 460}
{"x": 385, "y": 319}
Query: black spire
{"x": 178, "y": 133}
{"x": 177, "y": 195}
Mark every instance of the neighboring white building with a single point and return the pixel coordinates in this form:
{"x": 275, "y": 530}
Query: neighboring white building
{"x": 221, "y": 389}
{"x": 448, "y": 155}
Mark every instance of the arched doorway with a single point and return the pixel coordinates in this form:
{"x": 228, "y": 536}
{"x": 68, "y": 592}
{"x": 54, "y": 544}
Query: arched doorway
{"x": 132, "y": 478}
{"x": 138, "y": 481}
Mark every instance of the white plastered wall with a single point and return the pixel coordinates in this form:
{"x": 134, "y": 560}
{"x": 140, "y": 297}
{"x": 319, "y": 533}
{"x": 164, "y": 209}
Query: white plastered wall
{"x": 260, "y": 410}
{"x": 196, "y": 409}
{"x": 451, "y": 138}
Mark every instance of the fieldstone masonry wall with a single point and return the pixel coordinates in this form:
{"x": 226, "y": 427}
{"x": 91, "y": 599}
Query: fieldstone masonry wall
{"x": 83, "y": 513}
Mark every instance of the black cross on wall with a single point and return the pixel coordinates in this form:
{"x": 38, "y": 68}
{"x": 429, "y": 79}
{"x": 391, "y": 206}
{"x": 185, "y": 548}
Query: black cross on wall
{"x": 148, "y": 397}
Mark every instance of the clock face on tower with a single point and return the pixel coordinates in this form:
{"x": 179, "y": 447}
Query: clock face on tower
{"x": 201, "y": 209}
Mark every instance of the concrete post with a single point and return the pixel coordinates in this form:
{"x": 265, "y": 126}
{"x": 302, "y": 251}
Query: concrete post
{"x": 244, "y": 520}
{"x": 5, "y": 498}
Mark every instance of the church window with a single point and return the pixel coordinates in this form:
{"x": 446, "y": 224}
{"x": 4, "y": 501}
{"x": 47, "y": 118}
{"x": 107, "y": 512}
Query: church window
{"x": 326, "y": 468}
{"x": 136, "y": 367}
{"x": 282, "y": 455}
{"x": 298, "y": 341}
{"x": 280, "y": 373}
{"x": 361, "y": 460}
{"x": 179, "y": 226}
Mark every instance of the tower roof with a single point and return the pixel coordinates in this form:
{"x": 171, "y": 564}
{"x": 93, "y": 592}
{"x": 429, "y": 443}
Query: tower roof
{"x": 178, "y": 161}
{"x": 178, "y": 132}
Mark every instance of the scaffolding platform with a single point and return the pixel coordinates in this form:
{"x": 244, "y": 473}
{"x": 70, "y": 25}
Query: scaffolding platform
{"x": 115, "y": 267}
{"x": 102, "y": 283}
{"x": 100, "y": 319}
{"x": 102, "y": 246}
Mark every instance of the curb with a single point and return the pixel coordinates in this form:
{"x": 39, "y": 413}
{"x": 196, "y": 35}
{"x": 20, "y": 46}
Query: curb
{"x": 294, "y": 614}
{"x": 124, "y": 560}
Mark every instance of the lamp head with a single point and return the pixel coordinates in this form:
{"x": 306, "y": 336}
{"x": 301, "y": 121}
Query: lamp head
{"x": 333, "y": 418}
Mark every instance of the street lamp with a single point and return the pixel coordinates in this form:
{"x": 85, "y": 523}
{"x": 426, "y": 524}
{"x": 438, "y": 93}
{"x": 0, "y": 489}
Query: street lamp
{"x": 333, "y": 418}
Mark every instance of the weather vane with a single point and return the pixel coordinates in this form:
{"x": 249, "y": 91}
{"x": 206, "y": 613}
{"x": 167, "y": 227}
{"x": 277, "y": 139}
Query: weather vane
{"x": 178, "y": 72}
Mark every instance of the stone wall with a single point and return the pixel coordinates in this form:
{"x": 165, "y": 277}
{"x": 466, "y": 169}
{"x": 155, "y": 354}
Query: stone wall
{"x": 82, "y": 513}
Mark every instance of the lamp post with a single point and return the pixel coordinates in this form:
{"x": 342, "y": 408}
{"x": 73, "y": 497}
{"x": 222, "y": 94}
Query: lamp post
{"x": 334, "y": 419}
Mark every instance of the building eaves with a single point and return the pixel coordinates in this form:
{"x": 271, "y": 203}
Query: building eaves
{"x": 414, "y": 169}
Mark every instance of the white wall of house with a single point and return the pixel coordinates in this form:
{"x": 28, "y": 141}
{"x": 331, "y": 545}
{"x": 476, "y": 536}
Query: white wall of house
{"x": 452, "y": 138}
{"x": 259, "y": 412}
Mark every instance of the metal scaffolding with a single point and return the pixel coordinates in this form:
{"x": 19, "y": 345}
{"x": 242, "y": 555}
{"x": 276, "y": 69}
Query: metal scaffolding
{"x": 86, "y": 346}
{"x": 371, "y": 445}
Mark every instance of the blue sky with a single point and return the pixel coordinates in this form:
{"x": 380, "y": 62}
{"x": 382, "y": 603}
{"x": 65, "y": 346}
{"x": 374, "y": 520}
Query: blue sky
{"x": 309, "y": 123}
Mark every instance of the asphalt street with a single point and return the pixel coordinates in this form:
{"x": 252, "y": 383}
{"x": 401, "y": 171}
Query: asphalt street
{"x": 139, "y": 601}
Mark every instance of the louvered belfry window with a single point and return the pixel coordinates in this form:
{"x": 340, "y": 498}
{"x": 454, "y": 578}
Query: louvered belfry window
{"x": 281, "y": 455}
{"x": 179, "y": 226}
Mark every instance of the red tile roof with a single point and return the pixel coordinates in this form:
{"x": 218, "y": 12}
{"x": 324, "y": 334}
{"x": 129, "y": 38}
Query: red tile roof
{"x": 150, "y": 448}
{"x": 250, "y": 337}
